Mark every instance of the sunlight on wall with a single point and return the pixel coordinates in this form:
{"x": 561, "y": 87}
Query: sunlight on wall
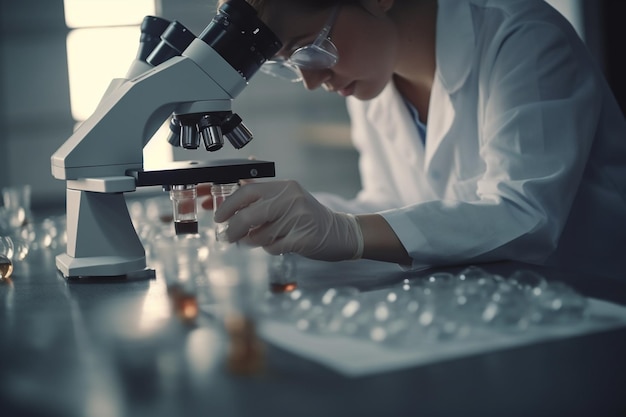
{"x": 94, "y": 57}
{"x": 91, "y": 13}
{"x": 101, "y": 47}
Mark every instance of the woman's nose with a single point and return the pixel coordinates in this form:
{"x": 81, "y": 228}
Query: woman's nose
{"x": 312, "y": 79}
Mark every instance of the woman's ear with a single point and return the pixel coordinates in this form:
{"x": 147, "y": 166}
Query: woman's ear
{"x": 377, "y": 7}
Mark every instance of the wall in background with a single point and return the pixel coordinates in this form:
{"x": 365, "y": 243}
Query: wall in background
{"x": 34, "y": 103}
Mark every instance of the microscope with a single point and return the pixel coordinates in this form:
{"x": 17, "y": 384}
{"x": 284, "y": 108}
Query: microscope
{"x": 190, "y": 81}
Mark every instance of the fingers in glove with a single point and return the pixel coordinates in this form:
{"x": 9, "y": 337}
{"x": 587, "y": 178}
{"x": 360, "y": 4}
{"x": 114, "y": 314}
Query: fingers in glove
{"x": 274, "y": 194}
{"x": 265, "y": 210}
{"x": 259, "y": 220}
{"x": 241, "y": 198}
{"x": 269, "y": 232}
{"x": 241, "y": 210}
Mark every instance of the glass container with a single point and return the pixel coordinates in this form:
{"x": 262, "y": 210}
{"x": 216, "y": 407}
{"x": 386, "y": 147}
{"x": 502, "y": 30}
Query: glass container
{"x": 184, "y": 201}
{"x": 220, "y": 192}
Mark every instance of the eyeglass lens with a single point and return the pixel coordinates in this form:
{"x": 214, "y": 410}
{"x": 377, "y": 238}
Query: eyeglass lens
{"x": 321, "y": 54}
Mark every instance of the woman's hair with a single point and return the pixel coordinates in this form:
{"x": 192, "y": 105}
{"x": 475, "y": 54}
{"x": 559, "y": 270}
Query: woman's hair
{"x": 260, "y": 5}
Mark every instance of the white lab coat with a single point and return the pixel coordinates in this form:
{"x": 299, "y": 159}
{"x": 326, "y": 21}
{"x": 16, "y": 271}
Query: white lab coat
{"x": 525, "y": 156}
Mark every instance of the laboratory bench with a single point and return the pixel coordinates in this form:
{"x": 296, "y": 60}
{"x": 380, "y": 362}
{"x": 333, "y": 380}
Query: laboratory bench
{"x": 118, "y": 348}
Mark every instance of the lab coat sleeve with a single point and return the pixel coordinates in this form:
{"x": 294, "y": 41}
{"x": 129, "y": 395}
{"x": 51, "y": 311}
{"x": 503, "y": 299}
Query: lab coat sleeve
{"x": 537, "y": 113}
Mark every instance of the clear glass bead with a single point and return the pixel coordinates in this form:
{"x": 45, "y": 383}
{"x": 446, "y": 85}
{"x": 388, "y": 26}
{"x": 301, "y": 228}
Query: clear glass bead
{"x": 558, "y": 303}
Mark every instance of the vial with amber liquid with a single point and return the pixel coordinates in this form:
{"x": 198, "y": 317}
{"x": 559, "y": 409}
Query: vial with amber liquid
{"x": 184, "y": 201}
{"x": 282, "y": 273}
{"x": 6, "y": 255}
{"x": 6, "y": 267}
{"x": 246, "y": 351}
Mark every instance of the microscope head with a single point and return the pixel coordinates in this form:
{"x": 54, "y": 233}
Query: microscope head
{"x": 245, "y": 43}
{"x": 190, "y": 79}
{"x": 236, "y": 35}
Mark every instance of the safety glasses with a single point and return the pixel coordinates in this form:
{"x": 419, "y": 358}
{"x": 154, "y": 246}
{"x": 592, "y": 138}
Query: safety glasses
{"x": 321, "y": 54}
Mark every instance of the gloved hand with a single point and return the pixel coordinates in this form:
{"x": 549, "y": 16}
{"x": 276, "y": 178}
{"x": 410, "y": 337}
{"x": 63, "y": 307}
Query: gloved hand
{"x": 204, "y": 190}
{"x": 283, "y": 217}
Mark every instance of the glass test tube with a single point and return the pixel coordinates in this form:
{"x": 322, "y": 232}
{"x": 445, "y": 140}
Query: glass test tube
{"x": 184, "y": 199}
{"x": 220, "y": 192}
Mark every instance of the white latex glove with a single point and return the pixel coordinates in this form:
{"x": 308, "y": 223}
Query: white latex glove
{"x": 282, "y": 217}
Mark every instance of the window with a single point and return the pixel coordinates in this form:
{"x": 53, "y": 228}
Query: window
{"x": 101, "y": 45}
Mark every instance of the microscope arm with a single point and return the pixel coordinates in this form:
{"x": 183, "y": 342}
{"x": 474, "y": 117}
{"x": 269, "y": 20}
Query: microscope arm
{"x": 111, "y": 141}
{"x": 137, "y": 67}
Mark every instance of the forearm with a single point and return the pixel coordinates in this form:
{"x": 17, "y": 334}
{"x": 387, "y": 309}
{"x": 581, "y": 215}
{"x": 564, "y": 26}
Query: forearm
{"x": 380, "y": 242}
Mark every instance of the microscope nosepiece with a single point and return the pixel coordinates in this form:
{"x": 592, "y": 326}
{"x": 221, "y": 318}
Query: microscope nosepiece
{"x": 186, "y": 130}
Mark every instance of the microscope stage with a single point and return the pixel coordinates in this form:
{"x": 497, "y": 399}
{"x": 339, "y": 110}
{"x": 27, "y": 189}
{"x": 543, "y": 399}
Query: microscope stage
{"x": 223, "y": 171}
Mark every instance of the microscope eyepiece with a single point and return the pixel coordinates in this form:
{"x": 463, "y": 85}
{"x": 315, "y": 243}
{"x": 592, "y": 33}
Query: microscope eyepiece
{"x": 240, "y": 37}
{"x": 174, "y": 40}
{"x": 151, "y": 29}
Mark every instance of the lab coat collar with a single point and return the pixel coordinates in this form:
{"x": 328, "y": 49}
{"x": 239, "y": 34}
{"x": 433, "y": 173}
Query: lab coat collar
{"x": 455, "y": 42}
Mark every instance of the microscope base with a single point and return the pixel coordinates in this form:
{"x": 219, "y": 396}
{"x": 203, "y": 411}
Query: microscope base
{"x": 101, "y": 238}
{"x": 99, "y": 266}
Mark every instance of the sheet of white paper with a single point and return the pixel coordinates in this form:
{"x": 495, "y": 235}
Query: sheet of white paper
{"x": 354, "y": 357}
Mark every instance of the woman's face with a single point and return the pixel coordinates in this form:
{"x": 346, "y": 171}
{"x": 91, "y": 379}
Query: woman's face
{"x": 365, "y": 39}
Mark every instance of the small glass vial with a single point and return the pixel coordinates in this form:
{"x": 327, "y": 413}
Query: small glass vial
{"x": 7, "y": 247}
{"x": 184, "y": 303}
{"x": 220, "y": 192}
{"x": 6, "y": 267}
{"x": 246, "y": 351}
{"x": 184, "y": 200}
{"x": 282, "y": 273}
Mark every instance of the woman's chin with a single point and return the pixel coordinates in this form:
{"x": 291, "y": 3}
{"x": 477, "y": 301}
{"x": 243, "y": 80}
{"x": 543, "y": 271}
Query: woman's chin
{"x": 365, "y": 92}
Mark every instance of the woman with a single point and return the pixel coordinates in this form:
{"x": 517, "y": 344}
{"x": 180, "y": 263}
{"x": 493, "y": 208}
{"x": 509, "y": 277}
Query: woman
{"x": 485, "y": 130}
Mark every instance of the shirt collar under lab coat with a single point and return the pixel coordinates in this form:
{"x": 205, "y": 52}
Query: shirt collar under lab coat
{"x": 454, "y": 42}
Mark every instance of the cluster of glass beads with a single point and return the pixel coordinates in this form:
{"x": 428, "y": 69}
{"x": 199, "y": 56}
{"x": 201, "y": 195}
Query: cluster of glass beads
{"x": 430, "y": 309}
